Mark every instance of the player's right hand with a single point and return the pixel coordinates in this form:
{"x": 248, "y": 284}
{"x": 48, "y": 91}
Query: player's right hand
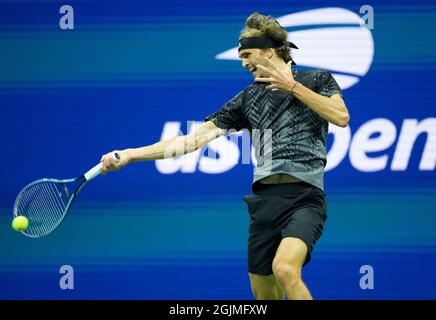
{"x": 109, "y": 162}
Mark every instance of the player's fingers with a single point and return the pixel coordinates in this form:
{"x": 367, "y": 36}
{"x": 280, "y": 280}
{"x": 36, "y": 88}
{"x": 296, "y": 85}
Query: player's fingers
{"x": 107, "y": 163}
{"x": 267, "y": 62}
{"x": 265, "y": 69}
{"x": 106, "y": 156}
{"x": 103, "y": 169}
{"x": 263, "y": 79}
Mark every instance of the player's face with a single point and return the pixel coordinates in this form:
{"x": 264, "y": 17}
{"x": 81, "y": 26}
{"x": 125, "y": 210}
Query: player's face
{"x": 250, "y": 58}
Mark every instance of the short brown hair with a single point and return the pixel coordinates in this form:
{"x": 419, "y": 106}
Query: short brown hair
{"x": 258, "y": 25}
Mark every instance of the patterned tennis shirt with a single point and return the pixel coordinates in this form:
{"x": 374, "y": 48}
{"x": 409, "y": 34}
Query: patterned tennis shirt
{"x": 289, "y": 138}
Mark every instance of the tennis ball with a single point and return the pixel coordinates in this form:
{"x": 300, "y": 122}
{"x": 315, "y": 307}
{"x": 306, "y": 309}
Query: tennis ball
{"x": 20, "y": 223}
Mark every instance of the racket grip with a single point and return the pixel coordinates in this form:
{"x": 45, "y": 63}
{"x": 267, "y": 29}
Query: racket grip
{"x": 96, "y": 170}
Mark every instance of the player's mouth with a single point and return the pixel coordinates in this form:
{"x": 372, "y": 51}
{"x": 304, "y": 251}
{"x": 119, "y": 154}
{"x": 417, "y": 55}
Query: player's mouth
{"x": 253, "y": 70}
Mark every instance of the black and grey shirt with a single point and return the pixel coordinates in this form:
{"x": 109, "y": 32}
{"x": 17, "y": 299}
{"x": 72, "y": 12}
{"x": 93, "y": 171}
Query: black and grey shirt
{"x": 288, "y": 137}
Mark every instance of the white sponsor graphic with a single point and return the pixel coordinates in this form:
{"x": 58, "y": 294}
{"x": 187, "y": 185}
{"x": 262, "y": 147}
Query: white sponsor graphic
{"x": 375, "y": 136}
{"x": 347, "y": 51}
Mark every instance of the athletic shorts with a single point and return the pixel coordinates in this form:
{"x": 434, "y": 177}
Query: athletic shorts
{"x": 279, "y": 211}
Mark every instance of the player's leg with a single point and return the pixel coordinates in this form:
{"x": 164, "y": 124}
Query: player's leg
{"x": 287, "y": 266}
{"x": 300, "y": 235}
{"x": 262, "y": 247}
{"x": 265, "y": 287}
{"x": 282, "y": 238}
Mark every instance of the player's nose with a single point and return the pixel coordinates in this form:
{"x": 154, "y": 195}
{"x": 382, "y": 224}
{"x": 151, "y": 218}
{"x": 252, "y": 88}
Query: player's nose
{"x": 245, "y": 63}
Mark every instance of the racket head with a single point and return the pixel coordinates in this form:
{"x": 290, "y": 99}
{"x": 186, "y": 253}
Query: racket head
{"x": 45, "y": 203}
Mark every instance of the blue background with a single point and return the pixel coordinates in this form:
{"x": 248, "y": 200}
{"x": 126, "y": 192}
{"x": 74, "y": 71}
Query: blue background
{"x": 69, "y": 96}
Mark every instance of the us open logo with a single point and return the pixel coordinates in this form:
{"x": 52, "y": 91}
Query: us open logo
{"x": 333, "y": 39}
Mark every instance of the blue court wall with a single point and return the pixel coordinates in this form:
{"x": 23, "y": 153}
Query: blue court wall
{"x": 133, "y": 72}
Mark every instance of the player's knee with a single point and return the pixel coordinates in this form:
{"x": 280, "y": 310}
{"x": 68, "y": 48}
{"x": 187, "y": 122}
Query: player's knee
{"x": 286, "y": 272}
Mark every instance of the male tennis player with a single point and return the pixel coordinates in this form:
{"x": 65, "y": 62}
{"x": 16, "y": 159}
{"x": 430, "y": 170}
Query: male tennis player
{"x": 288, "y": 206}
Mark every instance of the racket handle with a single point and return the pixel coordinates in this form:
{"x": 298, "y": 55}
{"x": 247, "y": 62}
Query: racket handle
{"x": 96, "y": 170}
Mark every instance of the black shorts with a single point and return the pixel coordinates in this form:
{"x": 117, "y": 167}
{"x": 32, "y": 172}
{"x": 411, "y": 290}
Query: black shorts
{"x": 279, "y": 211}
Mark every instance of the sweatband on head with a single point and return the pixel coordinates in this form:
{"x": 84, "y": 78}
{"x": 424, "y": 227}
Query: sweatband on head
{"x": 262, "y": 43}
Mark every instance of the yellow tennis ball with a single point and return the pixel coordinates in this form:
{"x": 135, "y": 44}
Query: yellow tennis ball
{"x": 20, "y": 223}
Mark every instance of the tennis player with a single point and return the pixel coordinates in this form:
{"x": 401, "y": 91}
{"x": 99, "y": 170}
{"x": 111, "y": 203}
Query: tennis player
{"x": 288, "y": 205}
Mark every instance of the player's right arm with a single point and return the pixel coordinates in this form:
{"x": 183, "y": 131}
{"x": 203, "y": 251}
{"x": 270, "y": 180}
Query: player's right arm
{"x": 174, "y": 147}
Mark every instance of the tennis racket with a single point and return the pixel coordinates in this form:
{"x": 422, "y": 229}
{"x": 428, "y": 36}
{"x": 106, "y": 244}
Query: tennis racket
{"x": 45, "y": 202}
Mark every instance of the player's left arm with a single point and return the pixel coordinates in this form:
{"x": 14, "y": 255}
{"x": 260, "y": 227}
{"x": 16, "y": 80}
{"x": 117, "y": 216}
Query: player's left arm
{"x": 332, "y": 109}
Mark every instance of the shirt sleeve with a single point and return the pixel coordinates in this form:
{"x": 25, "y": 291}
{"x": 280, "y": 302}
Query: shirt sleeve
{"x": 230, "y": 116}
{"x": 327, "y": 85}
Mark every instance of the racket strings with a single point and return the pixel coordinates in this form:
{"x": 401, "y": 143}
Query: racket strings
{"x": 44, "y": 205}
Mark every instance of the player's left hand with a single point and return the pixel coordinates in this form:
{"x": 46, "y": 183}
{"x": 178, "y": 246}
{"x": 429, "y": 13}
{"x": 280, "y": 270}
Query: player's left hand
{"x": 281, "y": 79}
